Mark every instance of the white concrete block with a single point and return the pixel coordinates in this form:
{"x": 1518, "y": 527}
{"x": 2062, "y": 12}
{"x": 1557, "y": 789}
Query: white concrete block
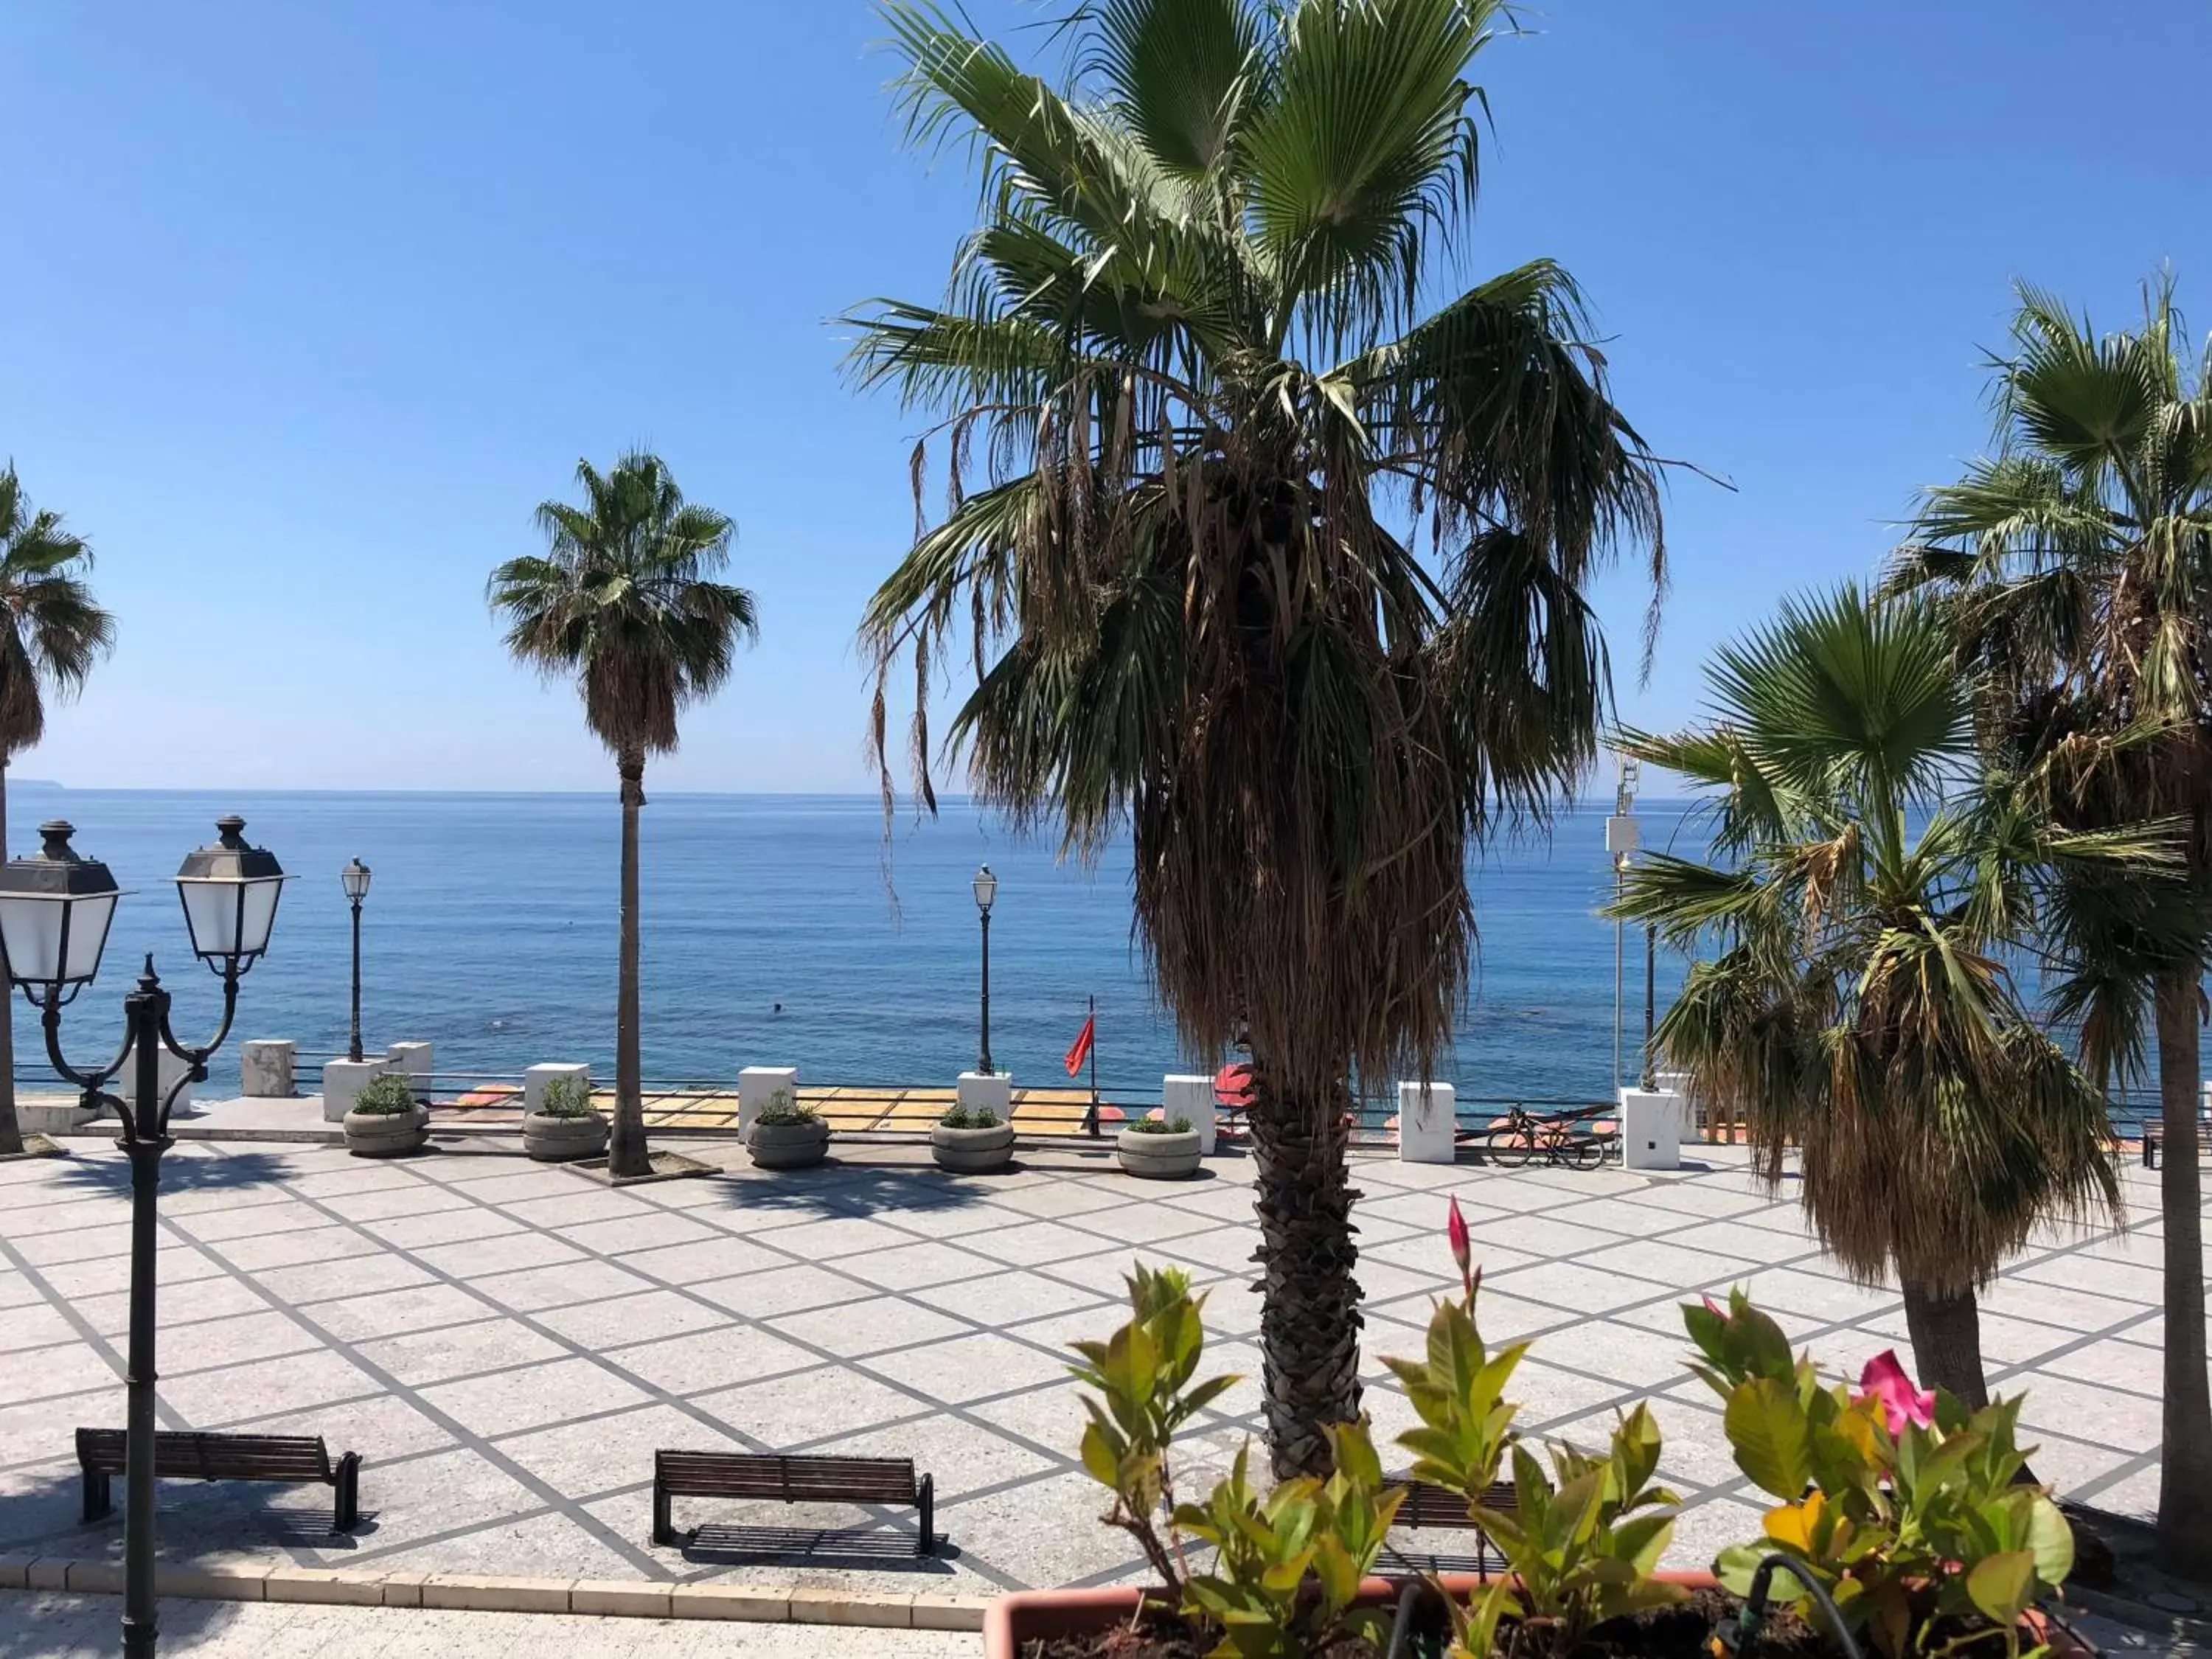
{"x": 535, "y": 1077}
{"x": 411, "y": 1061}
{"x": 1651, "y": 1128}
{"x": 53, "y": 1115}
{"x": 1185, "y": 1096}
{"x": 342, "y": 1082}
{"x": 267, "y": 1067}
{"x": 169, "y": 1070}
{"x": 988, "y": 1091}
{"x": 1428, "y": 1123}
{"x": 758, "y": 1084}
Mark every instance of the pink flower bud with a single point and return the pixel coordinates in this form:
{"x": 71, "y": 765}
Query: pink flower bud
{"x": 1884, "y": 1381}
{"x": 1462, "y": 1248}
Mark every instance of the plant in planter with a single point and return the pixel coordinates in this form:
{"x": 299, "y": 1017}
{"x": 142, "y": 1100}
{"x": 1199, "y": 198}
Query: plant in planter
{"x": 971, "y": 1140}
{"x": 788, "y": 1135}
{"x": 1902, "y": 1504}
{"x": 387, "y": 1120}
{"x": 1898, "y": 1505}
{"x": 1158, "y": 1149}
{"x": 564, "y": 1125}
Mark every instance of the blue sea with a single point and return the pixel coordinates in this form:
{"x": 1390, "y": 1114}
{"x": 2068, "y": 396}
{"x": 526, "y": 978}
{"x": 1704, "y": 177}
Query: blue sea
{"x": 490, "y": 931}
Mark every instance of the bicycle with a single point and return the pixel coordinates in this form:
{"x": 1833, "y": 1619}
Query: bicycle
{"x": 1524, "y": 1136}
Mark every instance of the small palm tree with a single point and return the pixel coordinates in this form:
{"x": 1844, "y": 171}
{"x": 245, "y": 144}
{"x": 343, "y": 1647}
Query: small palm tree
{"x": 623, "y": 599}
{"x": 2076, "y": 564}
{"x": 1859, "y": 1005}
{"x": 51, "y": 633}
{"x": 1254, "y": 554}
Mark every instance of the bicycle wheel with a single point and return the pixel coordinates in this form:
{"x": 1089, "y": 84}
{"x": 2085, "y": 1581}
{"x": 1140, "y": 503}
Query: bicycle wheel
{"x": 1589, "y": 1151}
{"x": 1508, "y": 1149}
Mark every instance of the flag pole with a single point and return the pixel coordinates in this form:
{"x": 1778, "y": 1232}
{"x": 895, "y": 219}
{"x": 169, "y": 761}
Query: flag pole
{"x": 1090, "y": 1026}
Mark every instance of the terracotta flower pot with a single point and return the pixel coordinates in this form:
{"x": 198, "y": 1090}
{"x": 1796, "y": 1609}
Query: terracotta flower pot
{"x": 1029, "y": 1615}
{"x": 386, "y": 1134}
{"x": 972, "y": 1152}
{"x": 789, "y": 1146}
{"x": 561, "y": 1139}
{"x": 1158, "y": 1156}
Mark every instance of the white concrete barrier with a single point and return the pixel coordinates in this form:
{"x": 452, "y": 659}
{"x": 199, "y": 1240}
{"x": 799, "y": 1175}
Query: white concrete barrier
{"x": 412, "y": 1060}
{"x": 1428, "y": 1123}
{"x": 267, "y": 1067}
{"x": 1182, "y": 1095}
{"x": 171, "y": 1071}
{"x": 758, "y": 1084}
{"x": 987, "y": 1091}
{"x": 342, "y": 1082}
{"x": 536, "y": 1078}
{"x": 1651, "y": 1125}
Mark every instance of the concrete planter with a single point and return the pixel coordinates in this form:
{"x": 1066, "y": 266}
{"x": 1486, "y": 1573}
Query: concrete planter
{"x": 789, "y": 1146}
{"x": 1156, "y": 1157}
{"x": 561, "y": 1140}
{"x": 386, "y": 1134}
{"x": 972, "y": 1152}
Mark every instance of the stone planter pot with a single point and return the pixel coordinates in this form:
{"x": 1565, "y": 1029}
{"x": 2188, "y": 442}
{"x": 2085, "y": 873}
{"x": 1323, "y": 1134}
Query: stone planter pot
{"x": 789, "y": 1146}
{"x": 972, "y": 1152}
{"x": 562, "y": 1140}
{"x": 1156, "y": 1157}
{"x": 386, "y": 1134}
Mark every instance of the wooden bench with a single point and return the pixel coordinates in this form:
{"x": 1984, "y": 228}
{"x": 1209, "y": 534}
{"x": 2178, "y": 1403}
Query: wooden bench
{"x": 1444, "y": 1510}
{"x": 790, "y": 1481}
{"x": 189, "y": 1455}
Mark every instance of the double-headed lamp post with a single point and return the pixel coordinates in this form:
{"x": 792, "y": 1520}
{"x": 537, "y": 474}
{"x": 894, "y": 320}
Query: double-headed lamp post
{"x": 1622, "y": 836}
{"x": 986, "y": 888}
{"x": 354, "y": 879}
{"x": 55, "y": 908}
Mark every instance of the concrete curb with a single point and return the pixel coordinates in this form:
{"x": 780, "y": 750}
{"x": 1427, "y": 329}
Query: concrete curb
{"x": 605, "y": 1598}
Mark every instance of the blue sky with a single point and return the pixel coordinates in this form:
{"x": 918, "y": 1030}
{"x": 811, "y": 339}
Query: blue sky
{"x": 306, "y": 307}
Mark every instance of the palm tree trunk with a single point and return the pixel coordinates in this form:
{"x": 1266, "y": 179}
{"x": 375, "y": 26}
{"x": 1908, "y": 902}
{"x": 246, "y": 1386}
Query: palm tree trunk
{"x": 626, "y": 1150}
{"x": 1310, "y": 1317}
{"x": 1946, "y": 1342}
{"x": 2185, "y": 1486}
{"x": 11, "y": 1126}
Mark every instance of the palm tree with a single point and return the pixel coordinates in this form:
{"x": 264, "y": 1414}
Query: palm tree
{"x": 1858, "y": 1004}
{"x": 2078, "y": 565}
{"x": 624, "y": 600}
{"x": 51, "y": 633}
{"x": 1255, "y": 555}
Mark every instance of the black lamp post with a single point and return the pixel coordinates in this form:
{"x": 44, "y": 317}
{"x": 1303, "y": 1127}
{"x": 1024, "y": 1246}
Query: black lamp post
{"x": 55, "y": 908}
{"x": 986, "y": 888}
{"x": 354, "y": 879}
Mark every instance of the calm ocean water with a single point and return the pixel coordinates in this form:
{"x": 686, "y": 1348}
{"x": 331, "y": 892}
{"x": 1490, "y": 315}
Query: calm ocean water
{"x": 490, "y": 931}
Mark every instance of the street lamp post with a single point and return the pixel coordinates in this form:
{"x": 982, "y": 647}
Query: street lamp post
{"x": 354, "y": 879}
{"x": 1623, "y": 834}
{"x": 55, "y": 908}
{"x": 986, "y": 888}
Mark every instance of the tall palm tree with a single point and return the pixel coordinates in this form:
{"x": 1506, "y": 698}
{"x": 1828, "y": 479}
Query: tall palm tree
{"x": 1858, "y": 1003}
{"x": 51, "y": 633}
{"x": 2078, "y": 565}
{"x": 1255, "y": 553}
{"x": 624, "y": 600}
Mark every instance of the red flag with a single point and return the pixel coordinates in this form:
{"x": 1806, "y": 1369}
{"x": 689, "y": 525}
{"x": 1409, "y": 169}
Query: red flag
{"x": 1081, "y": 1051}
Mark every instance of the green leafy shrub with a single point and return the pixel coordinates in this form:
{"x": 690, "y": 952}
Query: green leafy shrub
{"x": 782, "y": 1109}
{"x": 388, "y": 1095}
{"x": 1902, "y": 1504}
{"x": 1581, "y": 1543}
{"x": 1142, "y": 1374}
{"x": 1287, "y": 1566}
{"x": 1160, "y": 1125}
{"x": 970, "y": 1117}
{"x": 566, "y": 1096}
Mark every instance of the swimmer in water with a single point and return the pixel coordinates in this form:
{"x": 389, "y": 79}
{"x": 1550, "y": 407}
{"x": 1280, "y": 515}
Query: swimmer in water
{"x": 779, "y": 1008}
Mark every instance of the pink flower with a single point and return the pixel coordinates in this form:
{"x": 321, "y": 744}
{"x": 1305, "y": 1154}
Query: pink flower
{"x": 1885, "y": 1381}
{"x": 1714, "y": 1307}
{"x": 1462, "y": 1248}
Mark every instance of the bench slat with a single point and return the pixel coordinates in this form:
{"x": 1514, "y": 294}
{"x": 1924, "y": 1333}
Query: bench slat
{"x": 748, "y": 1474}
{"x": 186, "y": 1454}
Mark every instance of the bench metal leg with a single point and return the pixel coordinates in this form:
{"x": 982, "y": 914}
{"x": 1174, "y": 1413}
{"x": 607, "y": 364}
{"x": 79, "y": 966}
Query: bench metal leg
{"x": 98, "y": 1503}
{"x": 926, "y": 1500}
{"x": 664, "y": 1525}
{"x": 348, "y": 1504}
